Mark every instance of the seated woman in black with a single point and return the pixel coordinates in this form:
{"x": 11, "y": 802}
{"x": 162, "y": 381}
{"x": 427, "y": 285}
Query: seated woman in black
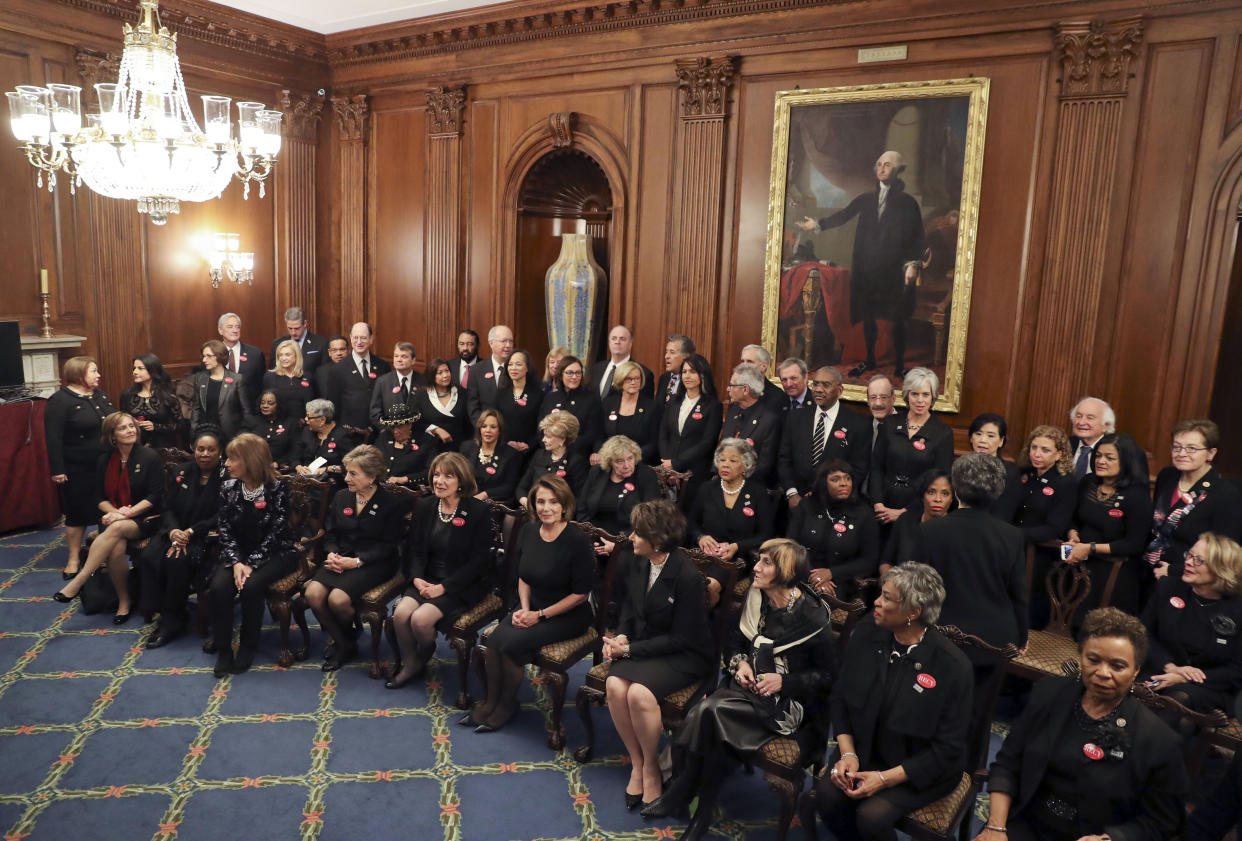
{"x": 619, "y": 483}
{"x": 405, "y": 458}
{"x": 731, "y": 517}
{"x": 294, "y": 389}
{"x": 442, "y": 407}
{"x": 520, "y": 404}
{"x": 494, "y": 465}
{"x": 936, "y": 499}
{"x": 907, "y": 445}
{"x": 626, "y": 411}
{"x": 1112, "y": 517}
{"x": 663, "y": 641}
{"x": 323, "y": 442}
{"x": 1086, "y": 760}
{"x": 838, "y": 530}
{"x": 900, "y": 712}
{"x": 988, "y": 433}
{"x": 129, "y": 489}
{"x": 363, "y": 535}
{"x": 1193, "y": 624}
{"x": 1191, "y": 498}
{"x": 151, "y": 401}
{"x": 576, "y": 396}
{"x": 278, "y": 428}
{"x": 218, "y": 393}
{"x": 256, "y": 549}
{"x": 447, "y": 558}
{"x": 173, "y": 560}
{"x": 1049, "y": 489}
{"x": 690, "y": 425}
{"x": 781, "y": 664}
{"x": 556, "y": 569}
{"x": 556, "y": 456}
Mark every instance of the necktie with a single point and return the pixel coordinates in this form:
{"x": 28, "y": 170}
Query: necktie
{"x": 605, "y": 384}
{"x": 365, "y": 372}
{"x": 405, "y": 391}
{"x": 817, "y": 441}
{"x": 1083, "y": 466}
{"x": 793, "y": 403}
{"x": 465, "y": 373}
{"x": 673, "y": 382}
{"x": 233, "y": 359}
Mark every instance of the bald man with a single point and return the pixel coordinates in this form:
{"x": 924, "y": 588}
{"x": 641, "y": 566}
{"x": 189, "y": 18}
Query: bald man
{"x": 351, "y": 382}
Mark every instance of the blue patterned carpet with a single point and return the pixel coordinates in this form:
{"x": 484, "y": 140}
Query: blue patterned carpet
{"x": 101, "y": 739}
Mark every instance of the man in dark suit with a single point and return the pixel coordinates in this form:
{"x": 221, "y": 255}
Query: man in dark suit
{"x": 888, "y": 252}
{"x": 676, "y": 350}
{"x": 881, "y": 397}
{"x": 620, "y": 343}
{"x": 773, "y": 398}
{"x": 488, "y": 375}
{"x": 467, "y": 355}
{"x": 792, "y": 374}
{"x": 397, "y": 386}
{"x": 750, "y": 419}
{"x": 338, "y": 349}
{"x": 314, "y": 348}
{"x": 244, "y": 359}
{"x": 1090, "y": 420}
{"x": 352, "y": 380}
{"x": 808, "y": 442}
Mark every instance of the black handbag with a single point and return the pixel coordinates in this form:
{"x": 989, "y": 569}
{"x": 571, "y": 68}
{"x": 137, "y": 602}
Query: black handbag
{"x": 98, "y": 595}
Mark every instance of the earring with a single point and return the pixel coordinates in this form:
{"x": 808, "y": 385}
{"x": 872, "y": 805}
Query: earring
{"x": 908, "y": 621}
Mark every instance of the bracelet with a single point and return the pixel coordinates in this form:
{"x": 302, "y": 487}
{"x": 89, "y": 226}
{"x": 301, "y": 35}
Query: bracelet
{"x": 882, "y": 779}
{"x": 849, "y": 753}
{"x": 996, "y": 828}
{"x": 1092, "y": 548}
{"x": 541, "y": 616}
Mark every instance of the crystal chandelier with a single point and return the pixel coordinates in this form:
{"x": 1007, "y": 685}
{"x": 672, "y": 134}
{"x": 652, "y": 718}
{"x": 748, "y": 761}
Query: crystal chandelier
{"x": 145, "y": 144}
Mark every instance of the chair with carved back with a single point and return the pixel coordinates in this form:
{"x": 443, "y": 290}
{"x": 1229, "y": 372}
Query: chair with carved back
{"x": 555, "y": 659}
{"x": 673, "y": 707}
{"x": 360, "y": 434}
{"x": 1225, "y": 734}
{"x": 673, "y": 484}
{"x": 1049, "y": 649}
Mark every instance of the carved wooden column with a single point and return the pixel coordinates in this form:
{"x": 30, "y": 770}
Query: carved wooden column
{"x": 295, "y": 203}
{"x": 118, "y": 245}
{"x": 704, "y": 85}
{"x": 442, "y": 247}
{"x": 1095, "y": 61}
{"x": 351, "y": 121}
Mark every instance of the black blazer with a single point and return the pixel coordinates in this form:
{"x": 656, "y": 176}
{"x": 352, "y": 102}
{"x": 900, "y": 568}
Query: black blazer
{"x": 642, "y": 427}
{"x": 1123, "y": 522}
{"x": 845, "y": 538}
{"x": 848, "y": 439}
{"x": 582, "y": 403}
{"x": 250, "y": 368}
{"x": 499, "y": 477}
{"x": 314, "y": 351}
{"x": 1140, "y": 797}
{"x": 350, "y": 395}
{"x": 270, "y": 540}
{"x": 521, "y": 418}
{"x": 281, "y": 435}
{"x": 898, "y": 460}
{"x": 598, "y": 369}
{"x": 145, "y": 469}
{"x": 383, "y": 396}
{"x": 760, "y": 427}
{"x": 72, "y": 425}
{"x": 1219, "y": 511}
{"x": 1007, "y": 504}
{"x": 456, "y": 422}
{"x": 693, "y": 446}
{"x": 235, "y": 412}
{"x": 468, "y": 552}
{"x": 371, "y": 534}
{"x": 670, "y": 620}
{"x": 1185, "y": 633}
{"x": 643, "y": 486}
{"x": 983, "y": 564}
{"x": 292, "y": 393}
{"x": 455, "y": 367}
{"x": 930, "y": 721}
{"x": 332, "y": 448}
{"x": 1047, "y": 504}
{"x": 571, "y": 467}
{"x": 710, "y": 516}
{"x": 482, "y": 387}
{"x": 187, "y": 506}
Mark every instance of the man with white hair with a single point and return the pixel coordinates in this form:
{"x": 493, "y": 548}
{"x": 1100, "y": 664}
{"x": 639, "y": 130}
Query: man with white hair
{"x": 1090, "y": 420}
{"x": 487, "y": 376}
{"x": 772, "y": 397}
{"x": 888, "y": 252}
{"x": 749, "y": 419}
{"x": 314, "y": 348}
{"x": 244, "y": 359}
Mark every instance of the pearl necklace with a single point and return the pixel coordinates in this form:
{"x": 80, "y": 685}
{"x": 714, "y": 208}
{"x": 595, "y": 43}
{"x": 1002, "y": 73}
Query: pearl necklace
{"x": 725, "y": 488}
{"x": 443, "y": 517}
{"x": 251, "y": 496}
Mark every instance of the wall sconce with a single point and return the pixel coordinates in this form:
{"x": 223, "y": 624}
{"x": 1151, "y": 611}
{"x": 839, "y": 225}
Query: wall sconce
{"x": 228, "y": 262}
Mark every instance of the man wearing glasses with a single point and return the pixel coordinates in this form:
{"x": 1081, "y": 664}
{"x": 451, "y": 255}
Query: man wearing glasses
{"x": 751, "y": 420}
{"x": 816, "y": 436}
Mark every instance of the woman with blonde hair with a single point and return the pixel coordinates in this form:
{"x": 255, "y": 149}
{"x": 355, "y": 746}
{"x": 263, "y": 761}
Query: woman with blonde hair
{"x": 620, "y": 482}
{"x": 293, "y": 388}
{"x": 629, "y": 412}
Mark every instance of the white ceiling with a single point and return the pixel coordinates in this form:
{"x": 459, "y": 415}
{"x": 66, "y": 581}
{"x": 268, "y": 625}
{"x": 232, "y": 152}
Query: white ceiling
{"x": 328, "y": 16}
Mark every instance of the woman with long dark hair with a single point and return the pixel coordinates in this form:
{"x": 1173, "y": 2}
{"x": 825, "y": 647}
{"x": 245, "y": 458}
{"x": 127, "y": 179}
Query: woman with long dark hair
{"x": 496, "y": 467}
{"x": 576, "y": 396}
{"x": 441, "y": 406}
{"x": 151, "y": 401}
{"x": 690, "y": 425}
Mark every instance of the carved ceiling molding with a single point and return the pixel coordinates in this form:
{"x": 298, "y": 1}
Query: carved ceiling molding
{"x": 703, "y": 84}
{"x": 95, "y": 67}
{"x": 561, "y": 127}
{"x": 302, "y": 115}
{"x": 1095, "y": 56}
{"x": 351, "y": 116}
{"x": 444, "y": 110}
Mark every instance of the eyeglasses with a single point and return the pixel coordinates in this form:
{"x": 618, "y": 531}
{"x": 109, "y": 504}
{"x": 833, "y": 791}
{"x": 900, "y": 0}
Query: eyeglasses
{"x": 735, "y": 385}
{"x": 888, "y": 396}
{"x": 573, "y": 373}
{"x": 1186, "y": 448}
{"x": 1193, "y": 560}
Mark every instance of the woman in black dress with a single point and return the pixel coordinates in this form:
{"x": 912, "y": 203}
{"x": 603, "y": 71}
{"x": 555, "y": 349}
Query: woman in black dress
{"x": 1112, "y": 517}
{"x": 838, "y": 530}
{"x": 218, "y": 393}
{"x": 988, "y": 433}
{"x": 663, "y": 642}
{"x": 129, "y": 488}
{"x": 576, "y": 396}
{"x": 556, "y": 569}
{"x": 442, "y": 407}
{"x": 619, "y": 483}
{"x": 520, "y": 405}
{"x": 557, "y": 455}
{"x": 406, "y": 459}
{"x": 1193, "y": 625}
{"x": 630, "y": 413}
{"x": 294, "y": 389}
{"x": 151, "y": 401}
{"x": 277, "y": 428}
{"x": 781, "y": 662}
{"x": 690, "y": 425}
{"x": 1086, "y": 760}
{"x": 907, "y": 445}
{"x": 494, "y": 465}
{"x": 363, "y": 535}
{"x": 447, "y": 557}
{"x": 172, "y": 561}
{"x": 71, "y": 423}
{"x": 900, "y": 713}
{"x": 936, "y": 499}
{"x": 1191, "y": 498}
{"x": 322, "y": 438}
{"x": 256, "y": 549}
{"x": 732, "y": 516}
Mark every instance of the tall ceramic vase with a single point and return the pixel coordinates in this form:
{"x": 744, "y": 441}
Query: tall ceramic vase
{"x": 573, "y": 291}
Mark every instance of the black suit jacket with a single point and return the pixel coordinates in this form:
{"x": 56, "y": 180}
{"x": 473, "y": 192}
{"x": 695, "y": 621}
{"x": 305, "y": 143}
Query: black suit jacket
{"x": 145, "y": 469}
{"x": 498, "y": 478}
{"x": 898, "y": 460}
{"x": 710, "y": 516}
{"x": 252, "y": 366}
{"x": 383, "y": 396}
{"x": 598, "y": 369}
{"x": 468, "y": 552}
{"x": 455, "y": 367}
{"x": 187, "y": 506}
{"x": 848, "y": 439}
{"x": 350, "y": 394}
{"x": 1219, "y": 511}
{"x": 644, "y": 484}
{"x": 1142, "y": 465}
{"x": 692, "y": 447}
{"x": 1046, "y": 506}
{"x": 322, "y": 373}
{"x": 669, "y": 620}
{"x": 235, "y": 413}
{"x": 760, "y": 427}
{"x": 482, "y": 388}
{"x": 1139, "y": 797}
{"x": 1184, "y": 632}
{"x": 371, "y": 533}
{"x": 314, "y": 352}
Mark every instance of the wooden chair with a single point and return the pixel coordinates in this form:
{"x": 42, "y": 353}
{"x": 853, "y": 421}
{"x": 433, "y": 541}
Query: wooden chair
{"x": 1047, "y": 651}
{"x": 673, "y": 484}
{"x": 360, "y": 434}
{"x": 673, "y": 707}
{"x": 1225, "y": 734}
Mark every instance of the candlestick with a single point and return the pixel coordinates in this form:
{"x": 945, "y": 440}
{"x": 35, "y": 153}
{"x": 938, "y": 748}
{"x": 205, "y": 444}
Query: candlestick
{"x": 43, "y": 281}
{"x": 46, "y": 332}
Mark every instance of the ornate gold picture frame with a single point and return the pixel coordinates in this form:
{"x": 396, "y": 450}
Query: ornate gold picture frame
{"x": 872, "y": 217}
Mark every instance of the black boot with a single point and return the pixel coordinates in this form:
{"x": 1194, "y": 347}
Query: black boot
{"x": 715, "y": 769}
{"x": 680, "y": 790}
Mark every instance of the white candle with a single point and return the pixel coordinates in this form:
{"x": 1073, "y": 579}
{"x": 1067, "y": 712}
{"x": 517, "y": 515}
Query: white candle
{"x": 43, "y": 280}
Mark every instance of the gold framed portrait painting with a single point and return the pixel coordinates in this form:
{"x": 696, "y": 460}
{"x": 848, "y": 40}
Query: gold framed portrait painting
{"x": 872, "y": 216}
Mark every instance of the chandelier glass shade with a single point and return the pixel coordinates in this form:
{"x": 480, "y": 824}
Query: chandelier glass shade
{"x": 145, "y": 144}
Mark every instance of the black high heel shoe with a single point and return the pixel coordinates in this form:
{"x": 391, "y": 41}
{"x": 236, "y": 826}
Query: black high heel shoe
{"x": 632, "y": 801}
{"x": 120, "y": 618}
{"x": 62, "y": 598}
{"x": 68, "y": 576}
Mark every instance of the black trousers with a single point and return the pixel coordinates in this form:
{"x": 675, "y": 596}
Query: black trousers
{"x": 165, "y": 581}
{"x": 253, "y": 597}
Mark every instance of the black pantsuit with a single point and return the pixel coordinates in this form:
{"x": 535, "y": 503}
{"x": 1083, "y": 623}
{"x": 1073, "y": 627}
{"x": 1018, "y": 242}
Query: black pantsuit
{"x": 1186, "y": 630}
{"x": 899, "y": 459}
{"x": 840, "y": 536}
{"x": 691, "y": 446}
{"x": 72, "y": 424}
{"x": 641, "y": 427}
{"x": 371, "y": 533}
{"x": 496, "y": 474}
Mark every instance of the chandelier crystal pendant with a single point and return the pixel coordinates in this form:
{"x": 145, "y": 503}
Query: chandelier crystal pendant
{"x": 144, "y": 144}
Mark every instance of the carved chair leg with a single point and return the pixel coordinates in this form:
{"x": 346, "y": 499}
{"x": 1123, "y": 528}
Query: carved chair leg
{"x": 390, "y": 633}
{"x": 372, "y": 616}
{"x": 279, "y": 608}
{"x": 477, "y": 659}
{"x": 298, "y": 607}
{"x": 583, "y": 701}
{"x": 788, "y": 792}
{"x": 555, "y": 682}
{"x": 463, "y": 646}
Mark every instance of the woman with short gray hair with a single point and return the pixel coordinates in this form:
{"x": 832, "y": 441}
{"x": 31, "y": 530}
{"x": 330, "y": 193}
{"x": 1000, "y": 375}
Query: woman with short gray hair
{"x": 323, "y": 439}
{"x": 907, "y": 444}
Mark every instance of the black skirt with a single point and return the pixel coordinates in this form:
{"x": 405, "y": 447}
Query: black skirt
{"x": 77, "y": 496}
{"x": 656, "y": 673}
{"x": 355, "y": 582}
{"x": 449, "y": 604}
